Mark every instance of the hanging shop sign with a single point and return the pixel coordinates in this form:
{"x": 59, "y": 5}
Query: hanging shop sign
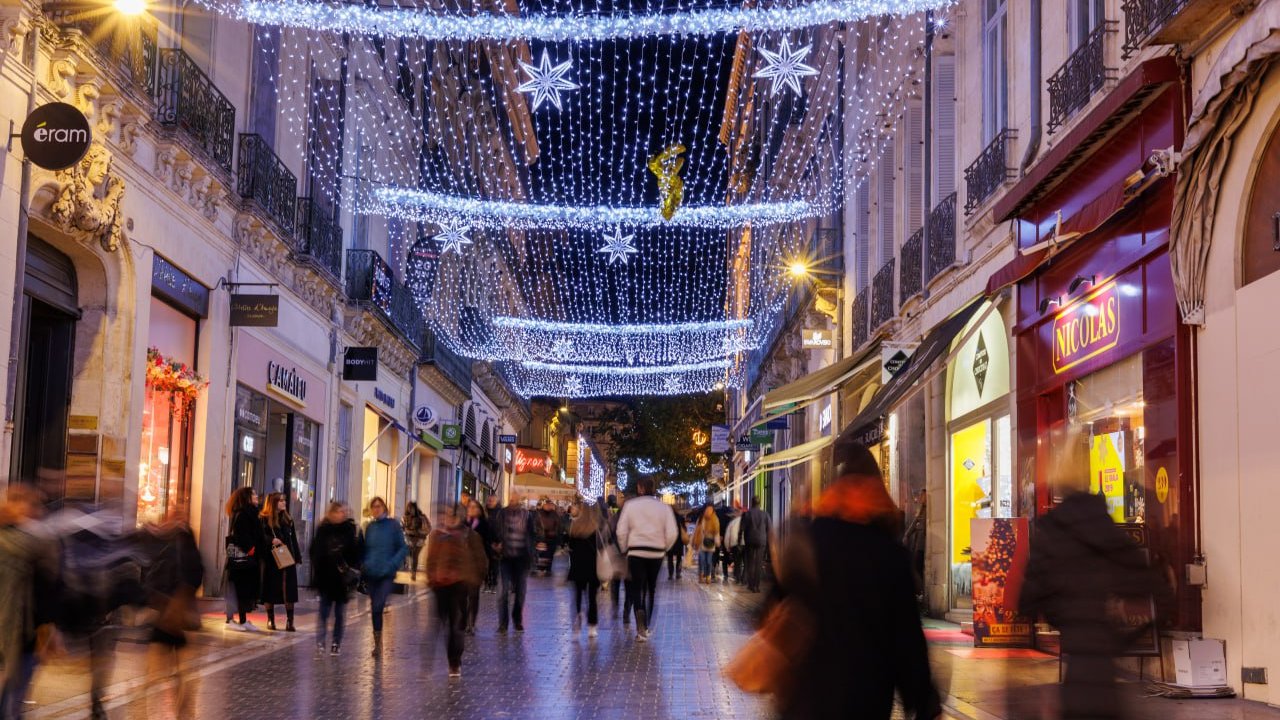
{"x": 744, "y": 444}
{"x": 761, "y": 436}
{"x": 779, "y": 423}
{"x": 507, "y": 439}
{"x": 286, "y": 382}
{"x": 255, "y": 310}
{"x": 424, "y": 415}
{"x": 533, "y": 461}
{"x": 894, "y": 358}
{"x": 451, "y": 435}
{"x": 56, "y": 136}
{"x": 720, "y": 439}
{"x": 1001, "y": 547}
{"x": 360, "y": 364}
{"x": 816, "y": 339}
{"x": 1087, "y": 328}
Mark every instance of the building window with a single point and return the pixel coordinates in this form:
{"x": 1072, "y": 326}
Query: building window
{"x": 995, "y": 69}
{"x": 342, "y": 474}
{"x": 1085, "y": 16}
{"x": 164, "y": 472}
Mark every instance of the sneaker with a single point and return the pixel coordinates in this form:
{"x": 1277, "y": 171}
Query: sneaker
{"x": 248, "y": 626}
{"x": 642, "y": 636}
{"x": 455, "y": 672}
{"x": 591, "y": 631}
{"x": 236, "y": 627}
{"x": 333, "y": 649}
{"x": 320, "y": 647}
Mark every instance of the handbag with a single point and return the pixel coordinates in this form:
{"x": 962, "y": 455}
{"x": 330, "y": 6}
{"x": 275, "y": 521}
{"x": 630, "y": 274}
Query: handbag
{"x": 762, "y": 665}
{"x": 284, "y": 558}
{"x": 236, "y": 557}
{"x": 604, "y": 563}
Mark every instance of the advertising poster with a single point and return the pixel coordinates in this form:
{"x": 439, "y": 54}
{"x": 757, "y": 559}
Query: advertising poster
{"x": 1000, "y": 550}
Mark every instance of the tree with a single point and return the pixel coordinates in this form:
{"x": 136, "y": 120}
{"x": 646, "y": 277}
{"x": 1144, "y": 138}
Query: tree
{"x": 654, "y": 435}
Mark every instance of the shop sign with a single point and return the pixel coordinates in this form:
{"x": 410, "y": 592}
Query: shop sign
{"x": 870, "y": 434}
{"x": 744, "y": 444}
{"x": 816, "y": 339}
{"x": 824, "y": 418}
{"x": 761, "y": 436}
{"x": 287, "y": 382}
{"x": 533, "y": 461}
{"x": 720, "y": 439}
{"x": 178, "y": 287}
{"x": 779, "y": 423}
{"x": 424, "y": 415}
{"x": 981, "y": 361}
{"x": 507, "y": 439}
{"x": 383, "y": 285}
{"x": 1162, "y": 485}
{"x": 360, "y": 364}
{"x": 255, "y": 311}
{"x": 1086, "y": 329}
{"x": 451, "y": 435}
{"x": 894, "y": 357}
{"x": 1001, "y": 547}
{"x": 381, "y": 396}
{"x": 56, "y": 136}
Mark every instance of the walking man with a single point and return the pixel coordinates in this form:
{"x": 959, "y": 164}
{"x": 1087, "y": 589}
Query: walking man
{"x": 753, "y": 535}
{"x": 513, "y": 527}
{"x": 646, "y": 531}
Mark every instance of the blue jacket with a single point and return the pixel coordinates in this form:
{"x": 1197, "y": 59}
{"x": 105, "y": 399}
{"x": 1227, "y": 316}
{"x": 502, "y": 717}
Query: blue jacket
{"x": 384, "y": 548}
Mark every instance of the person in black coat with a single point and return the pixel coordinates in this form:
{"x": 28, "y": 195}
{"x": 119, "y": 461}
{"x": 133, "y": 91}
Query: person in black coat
{"x": 851, "y": 598}
{"x": 243, "y": 573}
{"x": 335, "y": 555}
{"x": 584, "y": 528}
{"x": 279, "y": 585}
{"x": 476, "y": 520}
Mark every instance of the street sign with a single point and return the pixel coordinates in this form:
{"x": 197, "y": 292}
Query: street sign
{"x": 720, "y": 439}
{"x": 56, "y": 136}
{"x": 507, "y": 439}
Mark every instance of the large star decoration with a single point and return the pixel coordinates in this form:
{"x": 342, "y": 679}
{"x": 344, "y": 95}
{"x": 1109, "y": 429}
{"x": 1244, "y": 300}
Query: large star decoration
{"x": 618, "y": 246}
{"x": 561, "y": 348}
{"x": 786, "y": 67}
{"x": 546, "y": 82}
{"x": 573, "y": 385}
{"x": 672, "y": 384}
{"x": 452, "y": 236}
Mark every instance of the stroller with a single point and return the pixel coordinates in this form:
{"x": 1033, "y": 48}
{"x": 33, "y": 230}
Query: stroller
{"x": 544, "y": 557}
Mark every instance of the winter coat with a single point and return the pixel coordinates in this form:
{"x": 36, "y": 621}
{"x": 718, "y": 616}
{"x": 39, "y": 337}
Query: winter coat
{"x": 707, "y": 529}
{"x": 513, "y": 529}
{"x": 279, "y": 586}
{"x": 753, "y": 530}
{"x": 548, "y": 526}
{"x": 646, "y": 528}
{"x": 482, "y": 528}
{"x": 384, "y": 549}
{"x": 416, "y": 528}
{"x": 246, "y": 534}
{"x": 582, "y": 559}
{"x": 25, "y": 555}
{"x": 456, "y": 555}
{"x": 335, "y": 548}
{"x": 731, "y": 532}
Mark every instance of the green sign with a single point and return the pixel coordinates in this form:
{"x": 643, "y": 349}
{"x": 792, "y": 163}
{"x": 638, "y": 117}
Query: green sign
{"x": 761, "y": 436}
{"x": 451, "y": 435}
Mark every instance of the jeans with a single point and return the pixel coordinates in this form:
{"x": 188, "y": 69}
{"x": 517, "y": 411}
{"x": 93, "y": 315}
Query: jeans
{"x": 473, "y": 606}
{"x": 451, "y": 604}
{"x": 379, "y": 592}
{"x": 515, "y": 579}
{"x": 726, "y": 557}
{"x": 707, "y": 563}
{"x": 675, "y": 563}
{"x": 616, "y": 587}
{"x": 592, "y": 589}
{"x": 642, "y": 588}
{"x": 415, "y": 551}
{"x": 754, "y": 566}
{"x": 339, "y": 610}
{"x": 15, "y": 690}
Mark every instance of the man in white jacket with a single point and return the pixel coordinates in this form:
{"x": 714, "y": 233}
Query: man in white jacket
{"x": 646, "y": 531}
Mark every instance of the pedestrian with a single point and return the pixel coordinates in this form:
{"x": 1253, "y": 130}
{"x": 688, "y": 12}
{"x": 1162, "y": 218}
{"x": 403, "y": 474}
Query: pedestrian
{"x": 176, "y": 572}
{"x": 416, "y": 529}
{"x": 335, "y": 553}
{"x": 515, "y": 534}
{"x": 384, "y": 549}
{"x": 479, "y": 524}
{"x": 548, "y": 529}
{"x": 706, "y": 538}
{"x": 618, "y": 589}
{"x": 848, "y": 643}
{"x": 491, "y": 509}
{"x": 731, "y": 550}
{"x": 584, "y": 544}
{"x": 456, "y": 564}
{"x": 28, "y": 559}
{"x": 243, "y": 572}
{"x": 279, "y": 584}
{"x": 646, "y": 530}
{"x": 675, "y": 556}
{"x": 753, "y": 535}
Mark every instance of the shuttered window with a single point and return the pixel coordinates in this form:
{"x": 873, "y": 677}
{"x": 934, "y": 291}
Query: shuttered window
{"x": 944, "y": 127}
{"x": 913, "y": 208}
{"x": 864, "y": 233}
{"x": 885, "y": 179}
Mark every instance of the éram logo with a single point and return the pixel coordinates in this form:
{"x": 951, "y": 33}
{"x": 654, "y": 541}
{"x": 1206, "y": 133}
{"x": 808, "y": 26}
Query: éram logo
{"x": 60, "y": 135}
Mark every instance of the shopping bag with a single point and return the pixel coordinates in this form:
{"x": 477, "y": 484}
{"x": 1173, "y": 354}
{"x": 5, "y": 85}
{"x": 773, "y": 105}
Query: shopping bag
{"x": 283, "y": 557}
{"x": 604, "y": 565}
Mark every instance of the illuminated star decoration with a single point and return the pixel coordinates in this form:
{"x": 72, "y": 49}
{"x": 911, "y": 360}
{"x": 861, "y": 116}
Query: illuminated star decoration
{"x": 562, "y": 348}
{"x": 786, "y": 67}
{"x": 618, "y": 246}
{"x": 453, "y": 235}
{"x": 546, "y": 82}
{"x": 672, "y": 385}
{"x": 573, "y": 385}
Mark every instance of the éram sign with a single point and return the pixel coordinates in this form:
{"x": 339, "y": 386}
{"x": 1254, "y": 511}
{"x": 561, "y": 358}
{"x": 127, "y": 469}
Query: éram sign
{"x": 1087, "y": 328}
{"x": 56, "y": 136}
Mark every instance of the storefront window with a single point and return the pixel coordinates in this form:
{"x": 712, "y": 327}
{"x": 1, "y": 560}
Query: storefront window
{"x": 379, "y": 456}
{"x": 981, "y": 487}
{"x": 172, "y": 389}
{"x": 1107, "y": 409}
{"x": 251, "y": 438}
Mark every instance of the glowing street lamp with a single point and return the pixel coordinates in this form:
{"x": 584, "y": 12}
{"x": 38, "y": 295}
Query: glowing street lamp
{"x": 131, "y": 7}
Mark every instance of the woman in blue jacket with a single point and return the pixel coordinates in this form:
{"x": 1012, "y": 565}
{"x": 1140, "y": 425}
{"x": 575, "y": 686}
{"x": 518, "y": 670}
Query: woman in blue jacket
{"x": 384, "y": 552}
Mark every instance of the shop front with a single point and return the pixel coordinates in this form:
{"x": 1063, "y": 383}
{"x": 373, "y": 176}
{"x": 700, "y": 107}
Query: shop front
{"x": 387, "y": 446}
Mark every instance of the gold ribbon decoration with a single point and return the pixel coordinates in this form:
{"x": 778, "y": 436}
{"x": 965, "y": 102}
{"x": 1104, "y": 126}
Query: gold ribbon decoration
{"x": 666, "y": 166}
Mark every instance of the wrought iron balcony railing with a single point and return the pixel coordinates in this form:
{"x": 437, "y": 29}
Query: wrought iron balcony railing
{"x": 262, "y": 176}
{"x": 370, "y": 280}
{"x": 911, "y": 272}
{"x": 860, "y": 318}
{"x": 1143, "y": 18}
{"x": 319, "y": 236}
{"x": 187, "y": 99}
{"x": 942, "y": 237}
{"x": 127, "y": 44}
{"x": 1083, "y": 74}
{"x": 987, "y": 173}
{"x": 882, "y": 306}
{"x": 452, "y": 365}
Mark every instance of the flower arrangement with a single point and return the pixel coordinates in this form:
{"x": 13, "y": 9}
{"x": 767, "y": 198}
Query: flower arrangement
{"x": 171, "y": 376}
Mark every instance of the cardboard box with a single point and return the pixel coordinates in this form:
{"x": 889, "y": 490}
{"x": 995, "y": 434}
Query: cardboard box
{"x": 1199, "y": 663}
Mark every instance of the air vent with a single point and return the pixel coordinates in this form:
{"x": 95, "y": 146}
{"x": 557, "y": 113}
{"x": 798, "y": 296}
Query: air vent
{"x": 1254, "y": 675}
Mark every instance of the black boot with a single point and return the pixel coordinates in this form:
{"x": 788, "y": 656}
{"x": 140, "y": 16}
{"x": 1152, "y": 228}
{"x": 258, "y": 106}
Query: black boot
{"x": 377, "y": 644}
{"x": 271, "y": 617}
{"x": 288, "y": 614}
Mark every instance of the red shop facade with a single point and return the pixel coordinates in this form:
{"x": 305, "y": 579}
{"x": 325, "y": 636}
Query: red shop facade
{"x": 1103, "y": 364}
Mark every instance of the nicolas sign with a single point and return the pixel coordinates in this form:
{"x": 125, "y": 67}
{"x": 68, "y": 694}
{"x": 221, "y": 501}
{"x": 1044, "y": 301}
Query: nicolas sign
{"x": 1086, "y": 329}
{"x": 55, "y": 136}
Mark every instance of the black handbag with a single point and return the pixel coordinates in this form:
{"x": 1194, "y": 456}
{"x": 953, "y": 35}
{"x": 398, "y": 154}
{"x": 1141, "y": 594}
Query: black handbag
{"x": 236, "y": 558}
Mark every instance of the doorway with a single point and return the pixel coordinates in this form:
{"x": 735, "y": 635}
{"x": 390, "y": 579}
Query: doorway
{"x": 44, "y": 400}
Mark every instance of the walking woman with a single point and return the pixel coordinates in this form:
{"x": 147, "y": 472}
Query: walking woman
{"x": 416, "y": 529}
{"x": 706, "y": 538}
{"x": 242, "y": 555}
{"x": 475, "y": 520}
{"x": 335, "y": 552}
{"x": 456, "y": 565}
{"x": 675, "y": 556}
{"x": 584, "y": 528}
{"x": 384, "y": 551}
{"x": 279, "y": 585}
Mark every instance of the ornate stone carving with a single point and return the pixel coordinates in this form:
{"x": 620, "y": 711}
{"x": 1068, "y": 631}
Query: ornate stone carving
{"x": 15, "y": 25}
{"x": 166, "y": 156}
{"x": 88, "y": 91}
{"x": 62, "y": 67}
{"x": 88, "y": 199}
{"x": 131, "y": 124}
{"x": 109, "y": 110}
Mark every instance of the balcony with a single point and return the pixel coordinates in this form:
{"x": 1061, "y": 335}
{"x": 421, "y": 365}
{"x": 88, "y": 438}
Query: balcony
{"x": 1082, "y": 75}
{"x": 1143, "y": 19}
{"x": 319, "y": 237}
{"x": 187, "y": 99}
{"x": 882, "y": 306}
{"x": 452, "y": 365}
{"x": 370, "y": 281}
{"x": 126, "y": 44}
{"x": 262, "y": 177}
{"x": 942, "y": 237}
{"x": 989, "y": 172}
{"x": 861, "y": 328}
{"x": 911, "y": 273}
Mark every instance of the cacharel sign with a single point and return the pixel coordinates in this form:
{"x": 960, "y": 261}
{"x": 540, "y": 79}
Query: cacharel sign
{"x": 287, "y": 382}
{"x": 1087, "y": 328}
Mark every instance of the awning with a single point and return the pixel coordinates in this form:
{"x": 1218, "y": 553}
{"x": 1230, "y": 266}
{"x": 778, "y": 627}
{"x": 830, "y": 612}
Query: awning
{"x": 794, "y": 455}
{"x": 528, "y": 483}
{"x": 935, "y": 345}
{"x": 816, "y": 385}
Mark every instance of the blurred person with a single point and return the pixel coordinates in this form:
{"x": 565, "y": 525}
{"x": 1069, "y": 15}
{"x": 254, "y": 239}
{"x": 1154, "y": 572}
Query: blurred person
{"x": 384, "y": 549}
{"x": 279, "y": 586}
{"x": 848, "y": 643}
{"x": 548, "y": 535}
{"x": 731, "y": 550}
{"x": 675, "y": 556}
{"x": 475, "y": 520}
{"x": 335, "y": 553}
{"x": 515, "y": 534}
{"x": 28, "y": 561}
{"x": 706, "y": 538}
{"x": 465, "y": 499}
{"x": 753, "y": 535}
{"x": 175, "y": 573}
{"x": 618, "y": 590}
{"x": 646, "y": 530}
{"x": 456, "y": 564}
{"x": 584, "y": 541}
{"x": 416, "y": 527}
{"x": 914, "y": 539}
{"x": 491, "y": 508}
{"x": 242, "y": 571}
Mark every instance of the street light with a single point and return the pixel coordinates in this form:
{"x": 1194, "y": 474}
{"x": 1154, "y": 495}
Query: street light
{"x": 798, "y": 269}
{"x": 131, "y": 7}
